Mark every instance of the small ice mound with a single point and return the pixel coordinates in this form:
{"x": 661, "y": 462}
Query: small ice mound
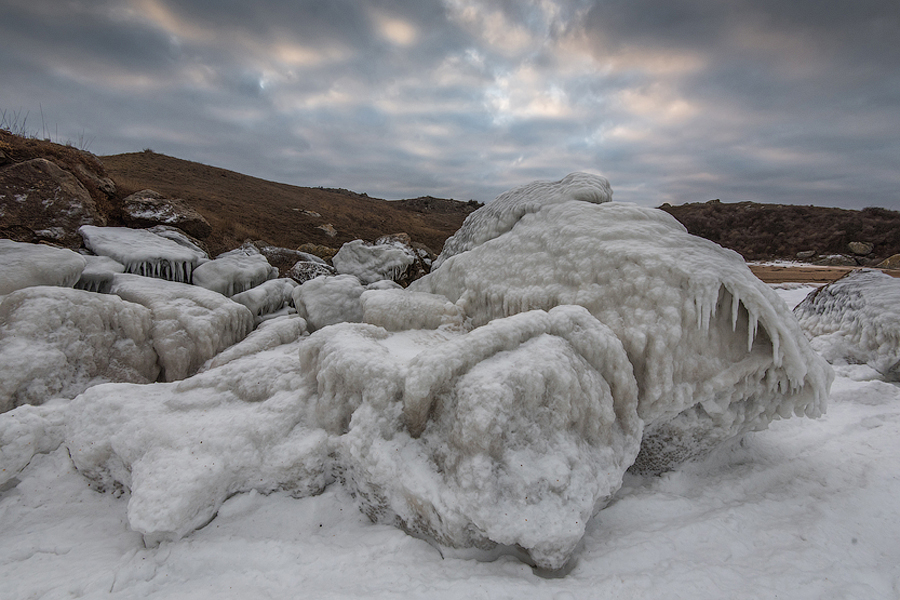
{"x": 499, "y": 216}
{"x": 514, "y": 434}
{"x": 233, "y": 273}
{"x": 26, "y": 431}
{"x": 183, "y": 448}
{"x": 98, "y": 274}
{"x": 715, "y": 352}
{"x": 325, "y": 301}
{"x": 190, "y": 324}
{"x": 23, "y": 265}
{"x": 856, "y": 320}
{"x": 374, "y": 262}
{"x": 142, "y": 252}
{"x": 269, "y": 334}
{"x": 400, "y": 310}
{"x": 57, "y": 342}
{"x": 267, "y": 298}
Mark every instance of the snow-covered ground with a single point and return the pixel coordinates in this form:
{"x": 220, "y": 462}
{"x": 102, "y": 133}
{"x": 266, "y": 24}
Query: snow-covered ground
{"x": 805, "y": 509}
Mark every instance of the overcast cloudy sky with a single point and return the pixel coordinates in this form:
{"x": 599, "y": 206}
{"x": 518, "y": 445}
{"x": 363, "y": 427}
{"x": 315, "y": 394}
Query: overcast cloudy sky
{"x": 788, "y": 101}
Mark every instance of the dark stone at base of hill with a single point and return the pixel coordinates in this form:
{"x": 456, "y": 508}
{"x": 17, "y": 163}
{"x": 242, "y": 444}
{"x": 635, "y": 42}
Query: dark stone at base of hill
{"x": 39, "y": 201}
{"x": 148, "y": 207}
{"x": 836, "y": 260}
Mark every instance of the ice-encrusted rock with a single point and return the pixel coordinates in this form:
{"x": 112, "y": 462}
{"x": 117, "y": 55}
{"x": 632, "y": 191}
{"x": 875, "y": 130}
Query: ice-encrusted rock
{"x": 328, "y": 300}
{"x": 147, "y": 208}
{"x": 269, "y": 334}
{"x": 190, "y": 324}
{"x": 268, "y": 297}
{"x": 183, "y": 448}
{"x": 374, "y": 262}
{"x": 142, "y": 252}
{"x": 302, "y": 271}
{"x": 400, "y": 310}
{"x": 98, "y": 274}
{"x": 181, "y": 238}
{"x": 715, "y": 352}
{"x": 233, "y": 273}
{"x": 23, "y": 265}
{"x": 856, "y": 319}
{"x": 499, "y": 216}
{"x": 26, "y": 431}
{"x": 514, "y": 434}
{"x": 57, "y": 342}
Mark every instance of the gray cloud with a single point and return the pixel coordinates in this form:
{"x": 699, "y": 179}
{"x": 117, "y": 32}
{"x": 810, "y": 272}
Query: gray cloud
{"x": 674, "y": 101}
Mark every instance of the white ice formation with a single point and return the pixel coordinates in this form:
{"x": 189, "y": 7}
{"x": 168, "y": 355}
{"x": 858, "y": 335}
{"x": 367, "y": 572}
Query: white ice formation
{"x": 233, "y": 273}
{"x": 715, "y": 352}
{"x": 23, "y": 265}
{"x": 856, "y": 319}
{"x": 142, "y": 252}
{"x": 373, "y": 262}
{"x": 267, "y": 298}
{"x": 495, "y": 404}
{"x": 57, "y": 342}
{"x": 98, "y": 274}
{"x": 499, "y": 216}
{"x": 190, "y": 324}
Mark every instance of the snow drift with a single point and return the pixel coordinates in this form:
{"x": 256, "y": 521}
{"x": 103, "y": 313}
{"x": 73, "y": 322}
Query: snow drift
{"x": 856, "y": 319}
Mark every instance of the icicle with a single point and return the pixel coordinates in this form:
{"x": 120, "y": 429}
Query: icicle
{"x": 752, "y": 324}
{"x": 735, "y": 308}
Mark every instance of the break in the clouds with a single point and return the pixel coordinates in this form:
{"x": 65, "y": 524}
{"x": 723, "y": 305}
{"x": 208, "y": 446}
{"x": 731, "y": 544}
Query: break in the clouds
{"x": 673, "y": 101}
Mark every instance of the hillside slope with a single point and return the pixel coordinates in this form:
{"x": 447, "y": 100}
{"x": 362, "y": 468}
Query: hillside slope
{"x": 240, "y": 206}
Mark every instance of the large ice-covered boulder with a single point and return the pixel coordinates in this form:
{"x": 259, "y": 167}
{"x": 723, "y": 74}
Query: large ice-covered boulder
{"x": 57, "y": 342}
{"x": 190, "y": 324}
{"x": 23, "y": 265}
{"x": 142, "y": 252}
{"x": 325, "y": 301}
{"x": 98, "y": 274}
{"x": 856, "y": 319}
{"x": 715, "y": 351}
{"x": 499, "y": 216}
{"x": 512, "y": 435}
{"x": 234, "y": 272}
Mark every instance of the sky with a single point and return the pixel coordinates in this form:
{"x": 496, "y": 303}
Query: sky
{"x": 794, "y": 102}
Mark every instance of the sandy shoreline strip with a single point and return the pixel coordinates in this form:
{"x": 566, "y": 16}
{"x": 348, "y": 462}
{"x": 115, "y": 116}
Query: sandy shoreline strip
{"x": 805, "y": 273}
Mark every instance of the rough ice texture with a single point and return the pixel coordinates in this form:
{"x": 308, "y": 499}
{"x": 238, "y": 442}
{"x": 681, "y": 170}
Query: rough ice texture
{"x": 57, "y": 342}
{"x": 98, "y": 274}
{"x": 233, "y": 273}
{"x": 190, "y": 324}
{"x": 715, "y": 351}
{"x": 268, "y": 297}
{"x": 142, "y": 252}
{"x": 26, "y": 431}
{"x": 399, "y": 310}
{"x": 513, "y": 434}
{"x": 328, "y": 300}
{"x": 303, "y": 270}
{"x": 23, "y": 265}
{"x": 499, "y": 216}
{"x": 269, "y": 334}
{"x": 373, "y": 262}
{"x": 856, "y": 319}
{"x": 183, "y": 448}
{"x": 180, "y": 238}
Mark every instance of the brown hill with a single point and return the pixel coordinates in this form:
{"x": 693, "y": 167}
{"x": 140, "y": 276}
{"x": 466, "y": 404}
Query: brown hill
{"x": 777, "y": 231}
{"x": 240, "y": 207}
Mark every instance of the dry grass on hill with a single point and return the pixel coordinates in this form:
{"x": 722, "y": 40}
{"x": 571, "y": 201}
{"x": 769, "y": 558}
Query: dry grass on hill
{"x": 241, "y": 207}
